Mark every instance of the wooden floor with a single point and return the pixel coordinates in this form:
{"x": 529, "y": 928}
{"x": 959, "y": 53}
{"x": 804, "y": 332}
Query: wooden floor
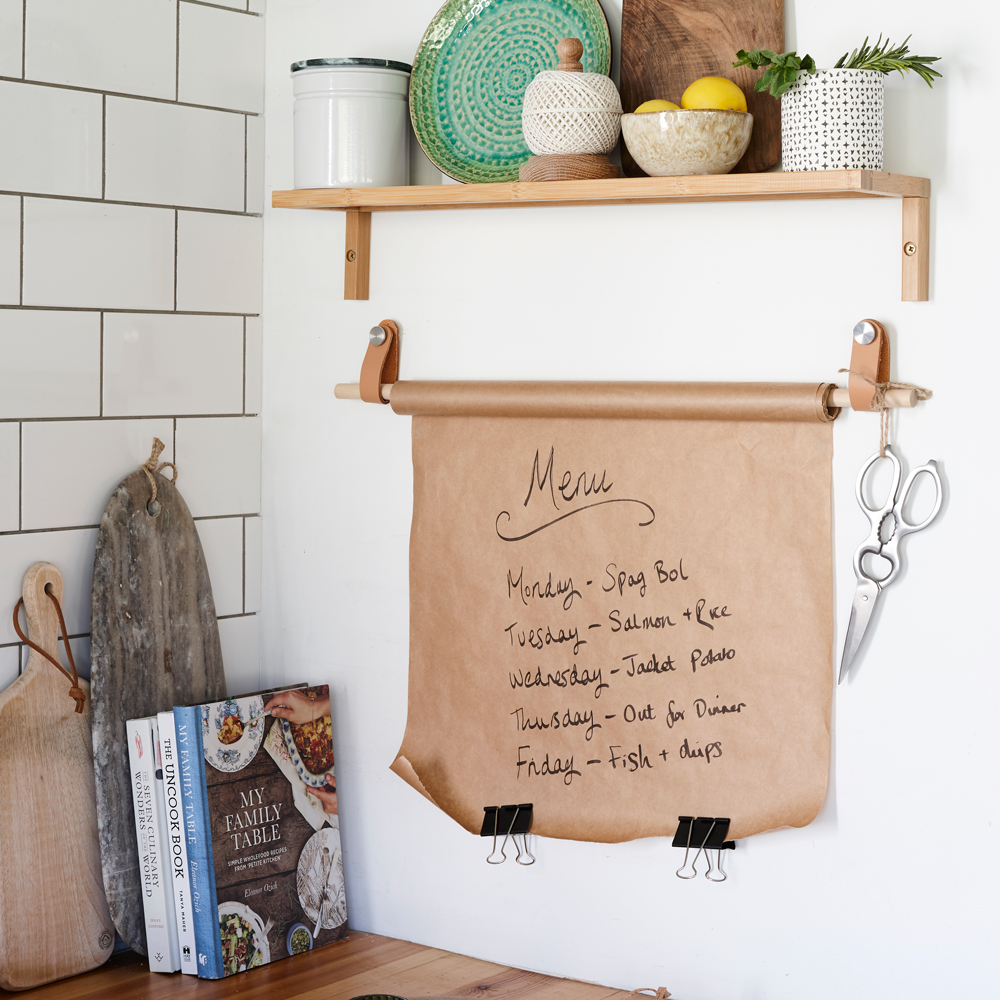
{"x": 364, "y": 963}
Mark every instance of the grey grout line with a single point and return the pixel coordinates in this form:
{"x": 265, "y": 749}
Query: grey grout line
{"x": 246, "y": 156}
{"x": 244, "y": 364}
{"x": 217, "y": 6}
{"x": 137, "y": 312}
{"x": 42, "y": 531}
{"x": 132, "y": 97}
{"x": 125, "y": 416}
{"x": 104, "y": 144}
{"x": 100, "y": 387}
{"x": 20, "y": 280}
{"x": 173, "y": 456}
{"x": 134, "y": 204}
{"x": 20, "y": 475}
{"x": 244, "y": 565}
{"x": 176, "y": 217}
{"x": 221, "y": 517}
{"x": 24, "y": 38}
{"x": 242, "y": 614}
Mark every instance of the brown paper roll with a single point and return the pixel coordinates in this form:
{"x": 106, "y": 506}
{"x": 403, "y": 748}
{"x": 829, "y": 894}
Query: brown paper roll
{"x": 736, "y": 401}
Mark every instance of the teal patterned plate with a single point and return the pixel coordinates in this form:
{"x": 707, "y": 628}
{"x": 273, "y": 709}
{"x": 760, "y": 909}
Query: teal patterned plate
{"x": 472, "y": 69}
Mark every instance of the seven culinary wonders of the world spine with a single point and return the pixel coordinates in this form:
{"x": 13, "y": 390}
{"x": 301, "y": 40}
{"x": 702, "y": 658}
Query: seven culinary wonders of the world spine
{"x": 262, "y": 812}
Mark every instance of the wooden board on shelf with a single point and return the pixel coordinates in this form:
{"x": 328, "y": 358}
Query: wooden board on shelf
{"x": 154, "y": 645}
{"x": 363, "y": 963}
{"x": 668, "y": 44}
{"x": 54, "y": 920}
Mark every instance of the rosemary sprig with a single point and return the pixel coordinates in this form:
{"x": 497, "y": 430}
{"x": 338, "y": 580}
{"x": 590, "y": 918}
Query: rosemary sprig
{"x": 884, "y": 58}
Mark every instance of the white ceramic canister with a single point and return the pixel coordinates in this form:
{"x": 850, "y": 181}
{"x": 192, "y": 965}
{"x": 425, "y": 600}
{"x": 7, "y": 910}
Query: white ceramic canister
{"x": 351, "y": 123}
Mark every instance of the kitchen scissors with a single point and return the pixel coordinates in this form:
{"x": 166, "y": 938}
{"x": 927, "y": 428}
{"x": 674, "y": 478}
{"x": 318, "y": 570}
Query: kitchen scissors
{"x": 869, "y": 588}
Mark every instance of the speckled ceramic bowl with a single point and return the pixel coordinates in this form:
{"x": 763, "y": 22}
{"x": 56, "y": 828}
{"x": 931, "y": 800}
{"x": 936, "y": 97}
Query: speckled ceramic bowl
{"x": 688, "y": 141}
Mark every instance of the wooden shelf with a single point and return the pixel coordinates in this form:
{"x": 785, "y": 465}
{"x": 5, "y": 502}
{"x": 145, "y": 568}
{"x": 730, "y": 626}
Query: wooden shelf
{"x": 359, "y": 203}
{"x": 363, "y": 963}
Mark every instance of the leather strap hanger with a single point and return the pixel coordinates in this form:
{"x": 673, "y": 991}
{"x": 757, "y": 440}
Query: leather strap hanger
{"x": 74, "y": 692}
{"x": 870, "y": 358}
{"x": 381, "y": 364}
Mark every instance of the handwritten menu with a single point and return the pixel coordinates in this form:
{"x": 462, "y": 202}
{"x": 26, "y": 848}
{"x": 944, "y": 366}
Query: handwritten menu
{"x": 620, "y": 622}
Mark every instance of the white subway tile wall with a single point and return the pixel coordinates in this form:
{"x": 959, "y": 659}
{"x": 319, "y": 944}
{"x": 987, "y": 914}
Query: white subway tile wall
{"x": 51, "y": 364}
{"x": 10, "y": 463}
{"x": 11, "y": 12}
{"x": 52, "y": 140}
{"x": 220, "y": 50}
{"x": 10, "y": 249}
{"x": 118, "y": 46}
{"x": 219, "y": 262}
{"x": 205, "y": 446}
{"x": 169, "y": 154}
{"x": 156, "y": 363}
{"x": 130, "y": 289}
{"x": 222, "y": 543}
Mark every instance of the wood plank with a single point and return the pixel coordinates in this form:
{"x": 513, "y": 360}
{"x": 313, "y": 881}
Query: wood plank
{"x": 916, "y": 249}
{"x": 50, "y": 864}
{"x": 626, "y": 190}
{"x": 363, "y": 963}
{"x": 357, "y": 254}
{"x": 668, "y": 44}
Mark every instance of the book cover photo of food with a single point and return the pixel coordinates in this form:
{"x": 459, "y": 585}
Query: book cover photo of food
{"x": 266, "y": 776}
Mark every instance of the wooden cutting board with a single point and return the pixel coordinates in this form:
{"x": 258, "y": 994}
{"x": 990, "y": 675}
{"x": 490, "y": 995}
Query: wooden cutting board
{"x": 668, "y": 44}
{"x": 154, "y": 645}
{"x": 54, "y": 920}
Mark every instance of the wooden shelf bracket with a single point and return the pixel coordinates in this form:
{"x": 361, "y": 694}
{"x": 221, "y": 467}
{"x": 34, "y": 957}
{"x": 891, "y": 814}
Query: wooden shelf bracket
{"x": 357, "y": 253}
{"x": 916, "y": 249}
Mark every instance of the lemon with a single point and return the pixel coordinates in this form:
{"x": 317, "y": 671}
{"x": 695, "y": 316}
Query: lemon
{"x": 656, "y": 106}
{"x": 714, "y": 92}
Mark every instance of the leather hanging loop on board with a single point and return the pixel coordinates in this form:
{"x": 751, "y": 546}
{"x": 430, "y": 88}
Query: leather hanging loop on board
{"x": 381, "y": 364}
{"x": 870, "y": 360}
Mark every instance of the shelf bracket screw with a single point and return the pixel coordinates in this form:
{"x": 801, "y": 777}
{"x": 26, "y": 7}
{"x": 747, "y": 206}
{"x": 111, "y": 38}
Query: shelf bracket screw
{"x": 352, "y": 256}
{"x": 909, "y": 249}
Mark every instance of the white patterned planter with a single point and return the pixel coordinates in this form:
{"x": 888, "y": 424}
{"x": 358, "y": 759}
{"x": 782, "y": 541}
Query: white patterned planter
{"x": 833, "y": 121}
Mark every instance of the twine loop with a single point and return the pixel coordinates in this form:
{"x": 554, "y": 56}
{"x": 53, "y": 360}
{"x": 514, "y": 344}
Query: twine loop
{"x": 150, "y": 466}
{"x": 879, "y": 405}
{"x": 74, "y": 692}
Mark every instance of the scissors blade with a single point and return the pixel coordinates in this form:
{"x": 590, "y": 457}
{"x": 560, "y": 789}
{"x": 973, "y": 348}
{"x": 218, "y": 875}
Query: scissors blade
{"x": 865, "y": 598}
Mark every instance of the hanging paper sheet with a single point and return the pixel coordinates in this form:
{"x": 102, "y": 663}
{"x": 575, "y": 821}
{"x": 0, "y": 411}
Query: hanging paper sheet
{"x": 621, "y": 604}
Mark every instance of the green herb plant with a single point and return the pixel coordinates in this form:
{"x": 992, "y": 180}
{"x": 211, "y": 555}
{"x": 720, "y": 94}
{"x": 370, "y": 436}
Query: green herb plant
{"x": 782, "y": 68}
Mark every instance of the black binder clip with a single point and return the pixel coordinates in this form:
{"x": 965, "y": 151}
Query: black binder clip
{"x": 707, "y": 834}
{"x": 511, "y": 821}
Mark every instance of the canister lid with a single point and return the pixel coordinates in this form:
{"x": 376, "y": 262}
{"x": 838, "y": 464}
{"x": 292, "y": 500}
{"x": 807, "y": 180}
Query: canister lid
{"x": 342, "y": 61}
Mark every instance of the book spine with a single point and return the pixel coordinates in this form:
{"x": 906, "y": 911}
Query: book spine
{"x": 173, "y": 955}
{"x": 176, "y": 841}
{"x": 142, "y": 766}
{"x": 201, "y": 874}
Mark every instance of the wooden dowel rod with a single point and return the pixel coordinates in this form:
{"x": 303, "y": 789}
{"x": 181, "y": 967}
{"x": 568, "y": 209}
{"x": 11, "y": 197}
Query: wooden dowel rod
{"x": 895, "y": 398}
{"x": 352, "y": 390}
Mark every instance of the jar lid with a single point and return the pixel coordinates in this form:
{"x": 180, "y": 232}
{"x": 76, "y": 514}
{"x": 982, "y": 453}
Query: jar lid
{"x": 342, "y": 61}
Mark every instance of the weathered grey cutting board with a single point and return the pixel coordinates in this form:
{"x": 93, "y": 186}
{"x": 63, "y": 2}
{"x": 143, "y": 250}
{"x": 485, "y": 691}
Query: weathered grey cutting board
{"x": 154, "y": 645}
{"x": 54, "y": 921}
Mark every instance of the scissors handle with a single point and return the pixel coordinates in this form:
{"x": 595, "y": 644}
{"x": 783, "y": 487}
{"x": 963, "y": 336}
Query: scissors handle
{"x": 875, "y": 514}
{"x": 904, "y": 527}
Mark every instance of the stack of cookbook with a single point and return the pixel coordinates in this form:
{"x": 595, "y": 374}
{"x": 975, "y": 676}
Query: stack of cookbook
{"x": 236, "y": 824}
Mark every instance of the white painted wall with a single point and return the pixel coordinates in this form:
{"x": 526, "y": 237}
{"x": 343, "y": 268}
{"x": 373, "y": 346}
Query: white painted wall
{"x": 130, "y": 288}
{"x": 892, "y": 891}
